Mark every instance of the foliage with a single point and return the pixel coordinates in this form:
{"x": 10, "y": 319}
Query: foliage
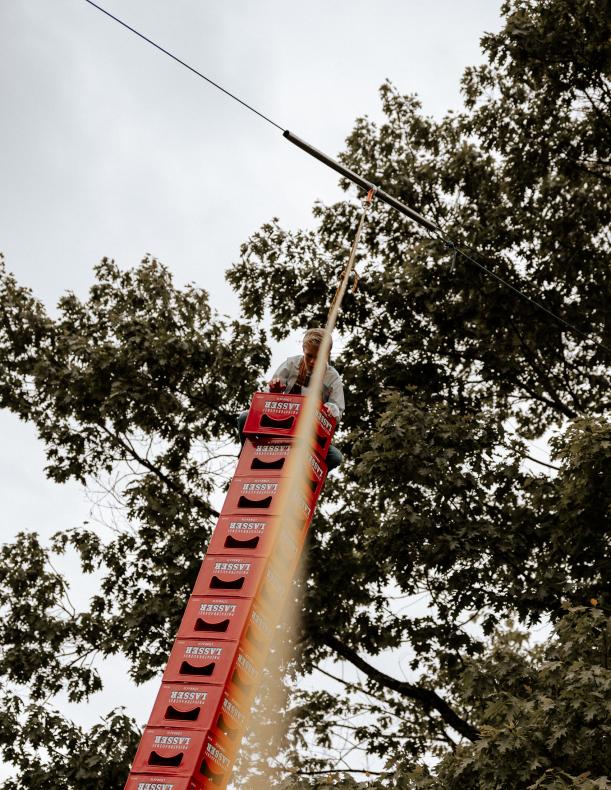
{"x": 543, "y": 716}
{"x": 49, "y": 751}
{"x": 441, "y": 526}
{"x": 133, "y": 392}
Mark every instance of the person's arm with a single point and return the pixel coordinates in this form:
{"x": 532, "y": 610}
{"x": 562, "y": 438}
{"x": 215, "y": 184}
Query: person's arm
{"x": 281, "y": 375}
{"x": 335, "y": 402}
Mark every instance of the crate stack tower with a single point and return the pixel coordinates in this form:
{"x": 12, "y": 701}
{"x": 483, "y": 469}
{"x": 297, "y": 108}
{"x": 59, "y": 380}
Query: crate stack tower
{"x": 215, "y": 665}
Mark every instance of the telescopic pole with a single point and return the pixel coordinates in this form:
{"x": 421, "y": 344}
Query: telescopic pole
{"x": 359, "y": 181}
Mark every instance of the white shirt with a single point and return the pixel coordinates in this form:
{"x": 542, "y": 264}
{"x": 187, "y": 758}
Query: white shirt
{"x": 332, "y": 388}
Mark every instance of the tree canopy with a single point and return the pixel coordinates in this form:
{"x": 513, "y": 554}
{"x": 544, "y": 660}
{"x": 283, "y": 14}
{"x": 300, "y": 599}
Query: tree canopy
{"x": 450, "y": 377}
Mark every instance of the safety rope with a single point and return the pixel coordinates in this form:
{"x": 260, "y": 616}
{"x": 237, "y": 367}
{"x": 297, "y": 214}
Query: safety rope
{"x": 296, "y": 469}
{"x": 345, "y": 275}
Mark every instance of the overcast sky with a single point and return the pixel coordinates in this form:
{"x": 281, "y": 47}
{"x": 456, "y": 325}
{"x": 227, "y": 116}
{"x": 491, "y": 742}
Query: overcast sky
{"x": 108, "y": 148}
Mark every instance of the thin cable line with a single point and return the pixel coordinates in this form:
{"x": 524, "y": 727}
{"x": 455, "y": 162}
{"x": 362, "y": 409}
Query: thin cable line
{"x": 186, "y": 65}
{"x": 441, "y": 234}
{"x": 535, "y": 303}
{"x": 456, "y": 249}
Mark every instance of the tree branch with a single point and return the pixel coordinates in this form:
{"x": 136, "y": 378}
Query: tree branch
{"x": 323, "y": 771}
{"x": 127, "y": 448}
{"x": 543, "y": 463}
{"x": 553, "y": 400}
{"x": 429, "y": 699}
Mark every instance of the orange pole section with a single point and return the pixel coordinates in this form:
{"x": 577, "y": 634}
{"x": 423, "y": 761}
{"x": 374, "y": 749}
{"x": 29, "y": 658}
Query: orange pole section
{"x": 214, "y": 668}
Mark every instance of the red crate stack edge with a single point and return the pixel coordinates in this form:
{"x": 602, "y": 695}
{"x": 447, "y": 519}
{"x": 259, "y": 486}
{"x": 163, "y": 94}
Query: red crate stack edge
{"x": 214, "y": 667}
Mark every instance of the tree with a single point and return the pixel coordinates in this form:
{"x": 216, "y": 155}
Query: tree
{"x": 454, "y": 374}
{"x": 132, "y": 391}
{"x": 450, "y": 376}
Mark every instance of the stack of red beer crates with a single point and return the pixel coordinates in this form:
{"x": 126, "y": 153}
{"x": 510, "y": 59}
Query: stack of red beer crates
{"x": 214, "y": 668}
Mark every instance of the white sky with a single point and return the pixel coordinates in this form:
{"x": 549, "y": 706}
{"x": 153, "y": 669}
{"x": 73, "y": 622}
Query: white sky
{"x": 109, "y": 148}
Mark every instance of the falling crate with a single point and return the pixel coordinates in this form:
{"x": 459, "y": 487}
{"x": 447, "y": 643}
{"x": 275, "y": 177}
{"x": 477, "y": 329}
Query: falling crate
{"x": 214, "y": 668}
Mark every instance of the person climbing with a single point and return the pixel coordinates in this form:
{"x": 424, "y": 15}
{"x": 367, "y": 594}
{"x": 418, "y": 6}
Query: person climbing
{"x": 292, "y": 378}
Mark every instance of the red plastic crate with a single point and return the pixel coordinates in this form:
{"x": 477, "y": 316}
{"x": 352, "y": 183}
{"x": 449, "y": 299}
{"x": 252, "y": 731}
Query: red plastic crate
{"x": 259, "y": 631}
{"x": 245, "y": 676}
{"x": 186, "y": 706}
{"x": 269, "y": 457}
{"x": 289, "y": 545}
{"x": 207, "y": 708}
{"x": 257, "y": 535}
{"x": 168, "y": 750}
{"x": 274, "y": 589}
{"x": 148, "y": 782}
{"x": 199, "y": 756}
{"x": 232, "y": 718}
{"x": 225, "y": 618}
{"x": 228, "y": 664}
{"x": 258, "y": 578}
{"x": 272, "y": 414}
{"x": 200, "y": 661}
{"x": 262, "y": 496}
{"x": 215, "y": 618}
{"x": 236, "y": 534}
{"x": 230, "y": 577}
{"x": 216, "y": 764}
